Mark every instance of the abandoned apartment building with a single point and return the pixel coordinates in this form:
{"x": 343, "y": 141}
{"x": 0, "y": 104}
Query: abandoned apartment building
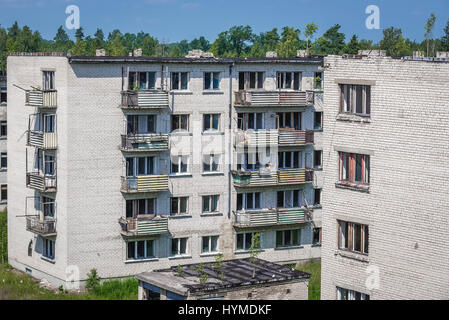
{"x": 386, "y": 201}
{"x": 237, "y": 279}
{"x": 127, "y": 164}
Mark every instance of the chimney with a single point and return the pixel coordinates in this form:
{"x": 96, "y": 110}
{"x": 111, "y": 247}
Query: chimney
{"x": 197, "y": 53}
{"x": 271, "y": 54}
{"x": 301, "y": 53}
{"x": 443, "y": 54}
{"x": 138, "y": 52}
{"x": 373, "y": 53}
{"x": 100, "y": 52}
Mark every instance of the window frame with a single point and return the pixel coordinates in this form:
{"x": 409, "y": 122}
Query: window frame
{"x": 210, "y": 200}
{"x": 348, "y": 168}
{"x": 209, "y": 244}
{"x": 211, "y": 122}
{"x": 349, "y": 97}
{"x": 179, "y": 80}
{"x": 147, "y": 255}
{"x": 178, "y": 246}
{"x": 48, "y": 251}
{"x": 212, "y": 75}
{"x": 180, "y": 164}
{"x": 179, "y": 122}
{"x": 179, "y": 206}
{"x": 244, "y": 195}
{"x": 281, "y": 80}
{"x": 346, "y": 240}
{"x": 292, "y": 233}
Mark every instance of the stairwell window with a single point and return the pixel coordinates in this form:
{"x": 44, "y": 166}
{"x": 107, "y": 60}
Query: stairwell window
{"x": 288, "y": 238}
{"x": 138, "y": 250}
{"x": 49, "y": 249}
{"x": 179, "y": 246}
{"x": 353, "y": 237}
{"x": 355, "y": 99}
{"x": 354, "y": 168}
{"x": 251, "y": 80}
{"x": 211, "y": 80}
{"x": 288, "y": 80}
{"x": 346, "y": 294}
{"x": 179, "y": 80}
{"x": 249, "y": 201}
{"x": 210, "y": 203}
{"x": 179, "y": 205}
{"x": 209, "y": 244}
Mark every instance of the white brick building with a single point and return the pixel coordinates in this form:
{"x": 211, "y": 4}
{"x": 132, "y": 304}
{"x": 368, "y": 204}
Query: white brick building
{"x": 386, "y": 204}
{"x": 101, "y": 176}
{"x": 3, "y": 136}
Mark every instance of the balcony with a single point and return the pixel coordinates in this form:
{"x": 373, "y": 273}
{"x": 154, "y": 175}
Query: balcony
{"x": 264, "y": 98}
{"x": 43, "y": 140}
{"x": 245, "y": 179}
{"x": 45, "y": 228}
{"x": 145, "y": 99}
{"x": 292, "y": 137}
{"x": 143, "y": 226}
{"x": 41, "y": 98}
{"x": 41, "y": 182}
{"x": 150, "y": 183}
{"x": 271, "y": 217}
{"x": 253, "y": 138}
{"x": 144, "y": 142}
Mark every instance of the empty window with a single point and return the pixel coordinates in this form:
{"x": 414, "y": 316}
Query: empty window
{"x": 288, "y": 238}
{"x": 49, "y": 165}
{"x": 3, "y": 96}
{"x": 3, "y": 129}
{"x": 211, "y": 122}
{"x": 290, "y": 199}
{"x": 178, "y": 205}
{"x": 316, "y": 239}
{"x": 289, "y": 159}
{"x": 141, "y": 80}
{"x": 178, "y": 246}
{"x": 143, "y": 249}
{"x": 4, "y": 160}
{"x": 140, "y": 207}
{"x": 179, "y": 80}
{"x": 179, "y": 164}
{"x": 289, "y": 120}
{"x": 49, "y": 249}
{"x": 244, "y": 240}
{"x": 141, "y": 124}
{"x": 353, "y": 237}
{"x": 318, "y": 80}
{"x": 180, "y": 122}
{"x": 211, "y": 162}
{"x": 355, "y": 99}
{"x": 209, "y": 244}
{"x": 318, "y": 120}
{"x": 288, "y": 80}
{"x": 253, "y": 159}
{"x": 251, "y": 80}
{"x": 211, "y": 80}
{"x": 249, "y": 201}
{"x": 210, "y": 203}
{"x": 48, "y": 78}
{"x": 48, "y": 207}
{"x": 140, "y": 166}
{"x": 354, "y": 168}
{"x": 247, "y": 121}
{"x": 317, "y": 158}
{"x": 4, "y": 193}
{"x": 49, "y": 121}
{"x": 346, "y": 294}
{"x": 317, "y": 197}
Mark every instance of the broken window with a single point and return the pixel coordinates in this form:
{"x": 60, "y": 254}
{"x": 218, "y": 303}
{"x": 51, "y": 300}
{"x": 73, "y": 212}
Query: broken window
{"x": 318, "y": 120}
{"x": 211, "y": 80}
{"x": 4, "y": 193}
{"x": 251, "y": 80}
{"x": 180, "y": 122}
{"x": 48, "y": 80}
{"x": 141, "y": 80}
{"x": 179, "y": 80}
{"x": 288, "y": 80}
{"x": 317, "y": 193}
{"x": 318, "y": 158}
{"x": 354, "y": 168}
{"x": 178, "y": 205}
{"x": 353, "y": 237}
{"x": 316, "y": 237}
{"x": 49, "y": 249}
{"x": 244, "y": 240}
{"x": 355, "y": 99}
{"x": 141, "y": 124}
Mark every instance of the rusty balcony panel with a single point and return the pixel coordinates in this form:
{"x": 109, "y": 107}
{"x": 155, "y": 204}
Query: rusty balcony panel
{"x": 41, "y": 182}
{"x": 245, "y": 179}
{"x": 43, "y": 140}
{"x": 143, "y": 225}
{"x": 144, "y": 99}
{"x": 292, "y": 137}
{"x": 295, "y": 176}
{"x": 144, "y": 142}
{"x": 41, "y": 98}
{"x": 46, "y": 228}
{"x": 255, "y": 218}
{"x": 265, "y": 98}
{"x": 149, "y": 183}
{"x": 256, "y": 138}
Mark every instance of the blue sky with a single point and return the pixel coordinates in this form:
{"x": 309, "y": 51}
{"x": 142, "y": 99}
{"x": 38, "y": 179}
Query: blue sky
{"x": 175, "y": 20}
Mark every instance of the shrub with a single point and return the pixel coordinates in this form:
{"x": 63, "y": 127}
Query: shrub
{"x": 93, "y": 280}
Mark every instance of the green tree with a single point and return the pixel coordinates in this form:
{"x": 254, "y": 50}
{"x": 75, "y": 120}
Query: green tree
{"x": 200, "y": 43}
{"x": 116, "y": 47}
{"x": 311, "y": 29}
{"x": 394, "y": 43}
{"x": 93, "y": 280}
{"x": 254, "y": 251}
{"x": 428, "y": 35}
{"x": 332, "y": 41}
{"x": 99, "y": 35}
{"x": 175, "y": 52}
{"x": 289, "y": 42}
{"x": 149, "y": 45}
{"x": 445, "y": 38}
{"x": 79, "y": 34}
{"x": 353, "y": 46}
{"x": 239, "y": 36}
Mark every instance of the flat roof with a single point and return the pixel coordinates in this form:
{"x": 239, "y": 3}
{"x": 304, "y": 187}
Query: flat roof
{"x": 232, "y": 273}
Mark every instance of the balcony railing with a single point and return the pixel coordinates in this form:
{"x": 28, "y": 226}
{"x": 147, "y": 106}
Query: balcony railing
{"x": 244, "y": 179}
{"x": 142, "y": 226}
{"x": 40, "y": 139}
{"x": 41, "y": 182}
{"x": 256, "y": 138}
{"x": 271, "y": 217}
{"x": 150, "y": 183}
{"x": 264, "y": 98}
{"x": 41, "y": 227}
{"x": 145, "y": 99}
{"x": 144, "y": 142}
{"x": 41, "y": 98}
{"x": 291, "y": 137}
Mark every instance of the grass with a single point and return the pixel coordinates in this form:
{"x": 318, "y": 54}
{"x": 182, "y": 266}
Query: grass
{"x": 314, "y": 268}
{"x": 3, "y": 237}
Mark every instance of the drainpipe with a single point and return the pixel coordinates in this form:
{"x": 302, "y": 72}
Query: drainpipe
{"x": 230, "y": 141}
